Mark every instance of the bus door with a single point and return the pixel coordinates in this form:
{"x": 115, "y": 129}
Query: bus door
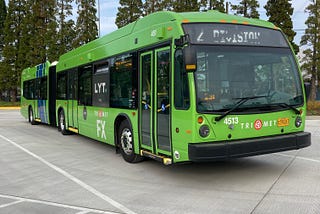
{"x": 155, "y": 101}
{"x": 73, "y": 98}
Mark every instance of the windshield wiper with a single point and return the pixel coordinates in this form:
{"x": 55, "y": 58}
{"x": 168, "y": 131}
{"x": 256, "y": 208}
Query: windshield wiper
{"x": 287, "y": 106}
{"x": 241, "y": 101}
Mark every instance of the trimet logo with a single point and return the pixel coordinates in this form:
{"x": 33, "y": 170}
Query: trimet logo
{"x": 258, "y": 124}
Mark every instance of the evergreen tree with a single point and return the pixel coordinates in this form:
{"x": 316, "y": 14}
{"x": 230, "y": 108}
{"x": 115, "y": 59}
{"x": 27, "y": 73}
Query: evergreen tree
{"x": 13, "y": 31}
{"x": 86, "y": 27}
{"x": 25, "y": 57}
{"x": 311, "y": 38}
{"x": 247, "y": 8}
{"x": 280, "y": 12}
{"x": 3, "y": 14}
{"x": 214, "y": 5}
{"x": 129, "y": 11}
{"x": 186, "y": 5}
{"x": 151, "y": 6}
{"x": 43, "y": 41}
{"x": 66, "y": 33}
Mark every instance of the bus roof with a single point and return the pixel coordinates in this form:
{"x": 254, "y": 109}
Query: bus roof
{"x": 152, "y": 29}
{"x": 39, "y": 70}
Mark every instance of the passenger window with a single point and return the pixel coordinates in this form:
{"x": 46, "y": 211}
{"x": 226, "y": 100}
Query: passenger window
{"x": 85, "y": 86}
{"x": 61, "y": 86}
{"x": 123, "y": 82}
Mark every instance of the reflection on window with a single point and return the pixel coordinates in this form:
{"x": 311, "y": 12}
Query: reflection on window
{"x": 61, "y": 86}
{"x": 29, "y": 89}
{"x": 163, "y": 86}
{"x": 122, "y": 82}
{"x": 35, "y": 89}
{"x": 85, "y": 88}
{"x": 226, "y": 74}
{"x": 181, "y": 85}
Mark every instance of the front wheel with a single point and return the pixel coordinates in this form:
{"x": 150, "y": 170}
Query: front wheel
{"x": 126, "y": 143}
{"x": 62, "y": 123}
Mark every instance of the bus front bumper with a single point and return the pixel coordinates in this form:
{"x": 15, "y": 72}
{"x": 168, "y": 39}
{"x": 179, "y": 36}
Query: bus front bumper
{"x": 213, "y": 151}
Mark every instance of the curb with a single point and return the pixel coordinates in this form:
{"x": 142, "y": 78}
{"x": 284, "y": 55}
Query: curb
{"x": 10, "y": 108}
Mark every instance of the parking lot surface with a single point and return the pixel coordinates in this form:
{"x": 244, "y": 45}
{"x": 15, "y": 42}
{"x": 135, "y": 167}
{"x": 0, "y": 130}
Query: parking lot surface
{"x": 43, "y": 171}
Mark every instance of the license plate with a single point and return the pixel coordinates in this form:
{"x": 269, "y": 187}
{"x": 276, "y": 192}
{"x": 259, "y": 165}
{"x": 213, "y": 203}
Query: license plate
{"x": 283, "y": 122}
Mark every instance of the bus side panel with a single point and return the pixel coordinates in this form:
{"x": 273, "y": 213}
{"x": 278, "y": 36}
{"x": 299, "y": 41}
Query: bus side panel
{"x": 42, "y": 113}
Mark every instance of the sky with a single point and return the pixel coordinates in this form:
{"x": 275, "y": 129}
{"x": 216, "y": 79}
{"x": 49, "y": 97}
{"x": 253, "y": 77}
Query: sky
{"x": 109, "y": 9}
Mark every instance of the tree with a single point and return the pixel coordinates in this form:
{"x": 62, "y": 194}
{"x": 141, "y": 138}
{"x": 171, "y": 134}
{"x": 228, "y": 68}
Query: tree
{"x": 247, "y": 8}
{"x": 186, "y": 5}
{"x": 66, "y": 33}
{"x": 279, "y": 13}
{"x": 13, "y": 31}
{"x": 151, "y": 6}
{"x": 3, "y": 14}
{"x": 129, "y": 11}
{"x": 25, "y": 56}
{"x": 43, "y": 40}
{"x": 311, "y": 39}
{"x": 86, "y": 27}
{"x": 214, "y": 5}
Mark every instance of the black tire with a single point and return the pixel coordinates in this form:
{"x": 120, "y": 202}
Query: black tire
{"x": 31, "y": 117}
{"x": 62, "y": 123}
{"x": 126, "y": 143}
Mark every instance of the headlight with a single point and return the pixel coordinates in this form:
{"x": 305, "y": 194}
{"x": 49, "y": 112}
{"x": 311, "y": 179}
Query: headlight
{"x": 204, "y": 131}
{"x": 298, "y": 121}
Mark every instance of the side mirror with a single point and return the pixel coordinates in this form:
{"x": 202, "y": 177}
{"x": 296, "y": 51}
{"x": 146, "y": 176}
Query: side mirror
{"x": 190, "y": 58}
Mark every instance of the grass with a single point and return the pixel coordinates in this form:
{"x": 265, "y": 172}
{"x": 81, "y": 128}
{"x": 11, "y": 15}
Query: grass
{"x": 9, "y": 104}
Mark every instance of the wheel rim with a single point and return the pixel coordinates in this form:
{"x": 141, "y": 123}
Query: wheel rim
{"x": 61, "y": 122}
{"x": 30, "y": 115}
{"x": 126, "y": 141}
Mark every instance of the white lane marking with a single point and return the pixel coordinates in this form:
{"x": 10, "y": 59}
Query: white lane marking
{"x": 10, "y": 204}
{"x": 298, "y": 157}
{"x": 83, "y": 212}
{"x": 82, "y": 209}
{"x": 73, "y": 178}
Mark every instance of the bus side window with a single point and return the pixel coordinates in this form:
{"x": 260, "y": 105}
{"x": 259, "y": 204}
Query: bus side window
{"x": 123, "y": 81}
{"x": 62, "y": 85}
{"x": 26, "y": 90}
{"x": 85, "y": 86}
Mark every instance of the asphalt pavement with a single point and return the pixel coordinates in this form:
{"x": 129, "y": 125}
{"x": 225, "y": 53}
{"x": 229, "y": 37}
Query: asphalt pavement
{"x": 42, "y": 171}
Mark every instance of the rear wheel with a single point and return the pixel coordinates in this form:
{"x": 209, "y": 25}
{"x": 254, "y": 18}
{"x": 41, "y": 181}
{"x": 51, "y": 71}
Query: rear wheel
{"x": 126, "y": 143}
{"x": 31, "y": 117}
{"x": 62, "y": 123}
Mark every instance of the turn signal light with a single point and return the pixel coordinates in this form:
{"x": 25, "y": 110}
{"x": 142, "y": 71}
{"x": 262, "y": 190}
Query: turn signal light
{"x": 200, "y": 120}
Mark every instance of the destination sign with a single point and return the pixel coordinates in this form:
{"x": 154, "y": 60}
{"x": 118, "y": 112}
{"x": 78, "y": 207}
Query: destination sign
{"x": 233, "y": 34}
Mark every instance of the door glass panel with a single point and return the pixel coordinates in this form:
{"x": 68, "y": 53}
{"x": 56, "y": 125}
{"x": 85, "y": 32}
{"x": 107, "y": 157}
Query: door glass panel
{"x": 163, "y": 99}
{"x": 146, "y": 99}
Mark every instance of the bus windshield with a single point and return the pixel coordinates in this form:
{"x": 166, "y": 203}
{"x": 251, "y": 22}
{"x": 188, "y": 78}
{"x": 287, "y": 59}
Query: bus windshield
{"x": 267, "y": 77}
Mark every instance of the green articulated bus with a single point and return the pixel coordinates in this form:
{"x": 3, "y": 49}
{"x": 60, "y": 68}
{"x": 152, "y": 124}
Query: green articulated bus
{"x": 177, "y": 87}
